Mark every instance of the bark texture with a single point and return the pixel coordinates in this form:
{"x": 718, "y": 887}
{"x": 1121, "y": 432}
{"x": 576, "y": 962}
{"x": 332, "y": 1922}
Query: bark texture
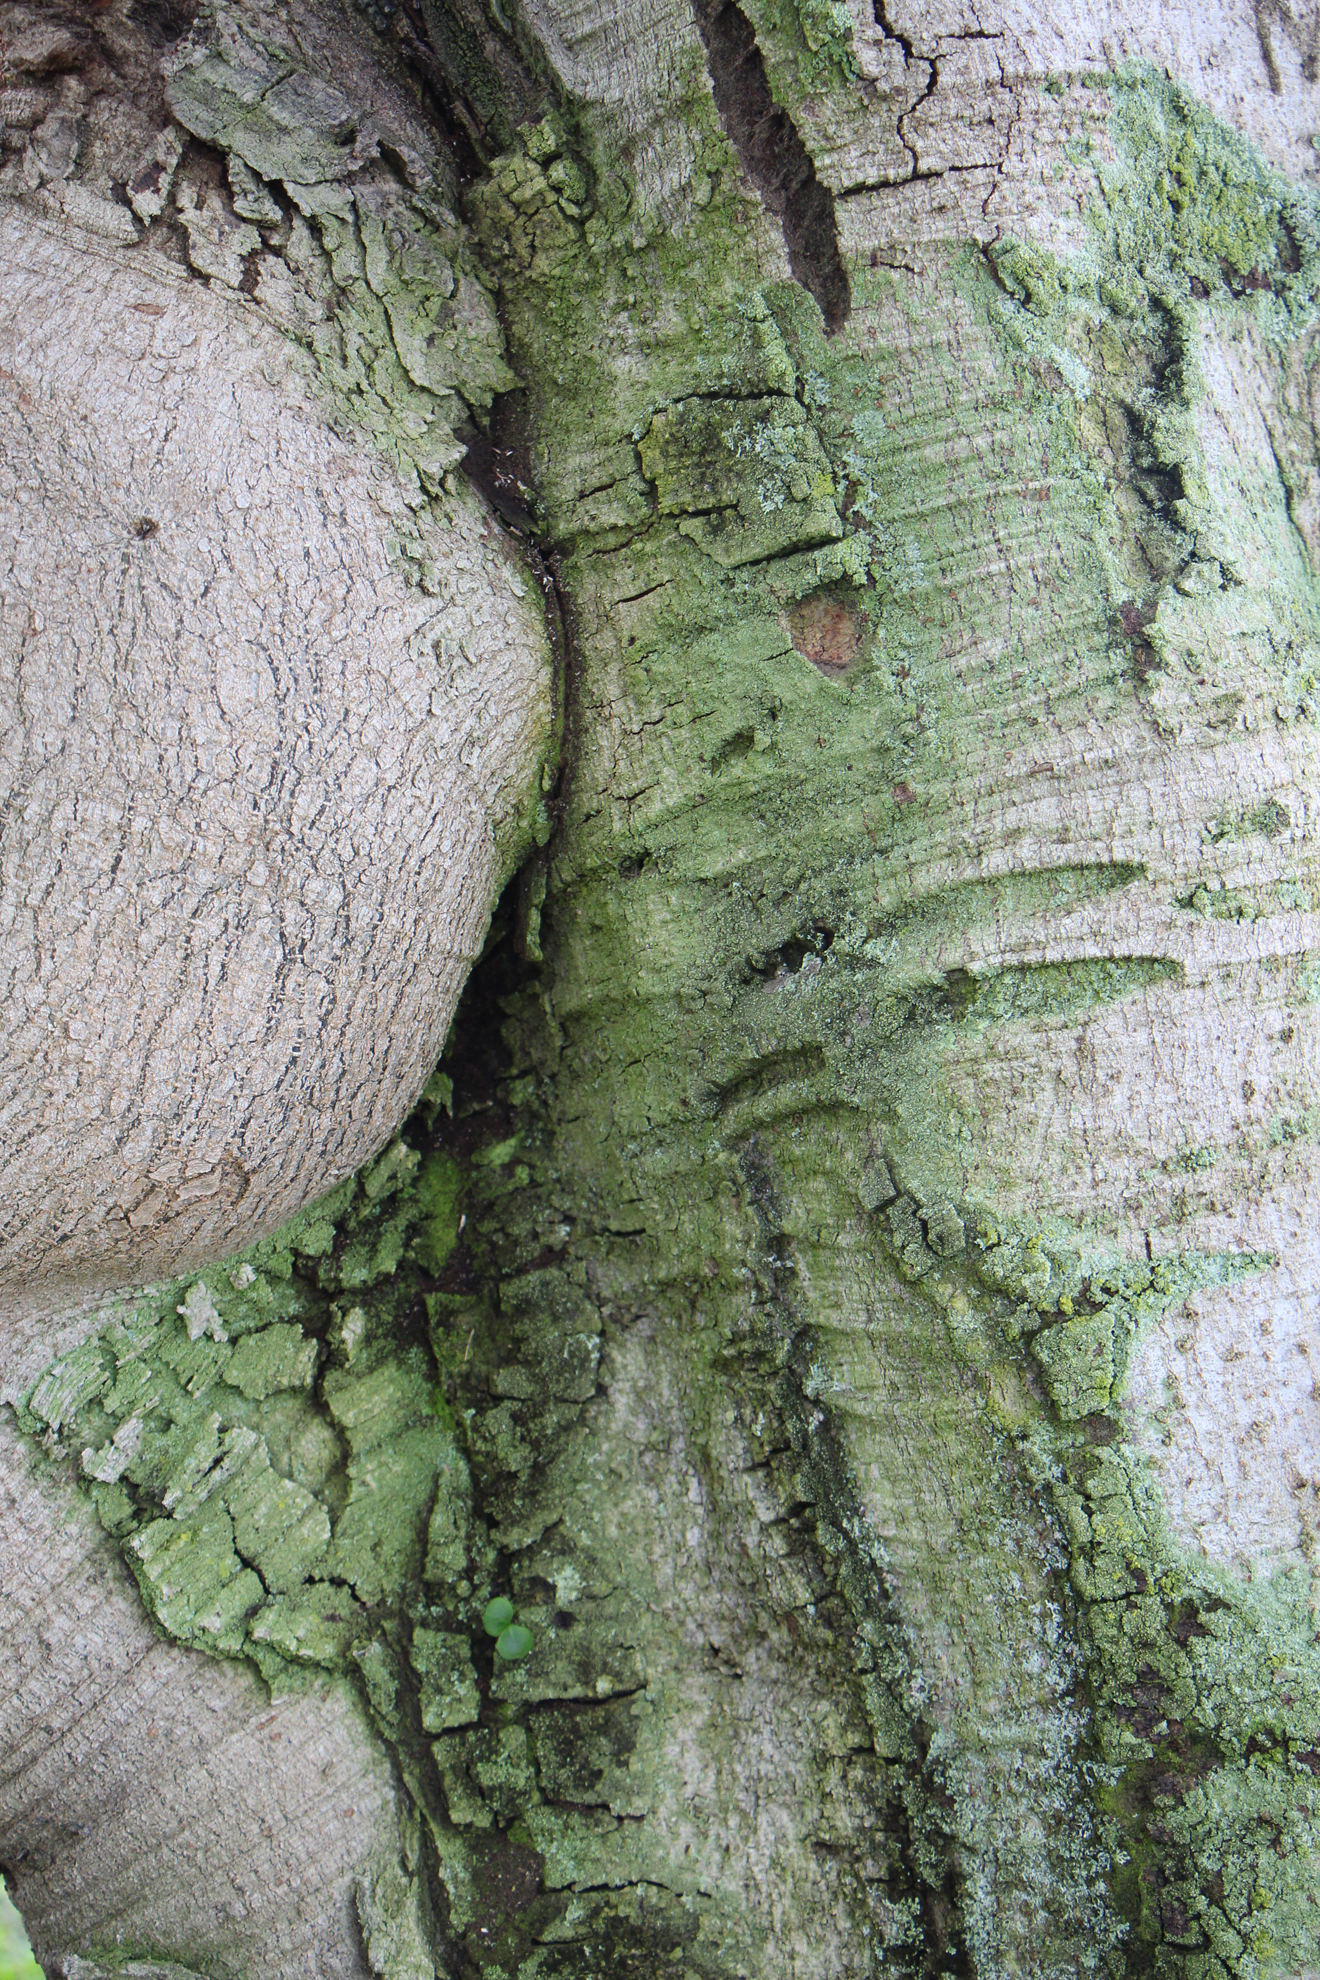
{"x": 273, "y": 717}
{"x": 850, "y": 1290}
{"x": 129, "y": 1766}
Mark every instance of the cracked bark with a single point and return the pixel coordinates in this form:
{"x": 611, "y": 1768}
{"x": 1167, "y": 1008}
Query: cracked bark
{"x": 873, "y": 1353}
{"x": 774, "y": 157}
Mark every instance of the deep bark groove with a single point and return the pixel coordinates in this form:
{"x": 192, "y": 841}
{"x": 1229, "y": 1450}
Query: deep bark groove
{"x": 774, "y": 157}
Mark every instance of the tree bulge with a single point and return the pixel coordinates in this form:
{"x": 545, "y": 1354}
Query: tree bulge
{"x": 270, "y": 739}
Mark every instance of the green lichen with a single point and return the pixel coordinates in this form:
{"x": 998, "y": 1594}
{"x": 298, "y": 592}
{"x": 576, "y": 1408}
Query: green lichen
{"x": 730, "y": 1134}
{"x": 276, "y": 1358}
{"x": 1206, "y": 1689}
{"x": 266, "y": 1457}
{"x": 778, "y": 1023}
{"x": 367, "y": 266}
{"x": 747, "y": 483}
{"x": 771, "y": 744}
{"x": 448, "y": 1694}
{"x": 1208, "y": 1711}
{"x": 1044, "y": 993}
{"x": 1182, "y": 199}
{"x": 808, "y": 50}
{"x": 1188, "y": 193}
{"x": 1083, "y": 1358}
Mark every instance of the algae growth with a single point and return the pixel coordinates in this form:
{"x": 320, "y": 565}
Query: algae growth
{"x": 262, "y": 1444}
{"x": 769, "y": 861}
{"x": 743, "y": 1228}
{"x": 350, "y": 241}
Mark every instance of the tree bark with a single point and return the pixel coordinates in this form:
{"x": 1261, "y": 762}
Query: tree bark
{"x": 850, "y": 1291}
{"x": 272, "y": 752}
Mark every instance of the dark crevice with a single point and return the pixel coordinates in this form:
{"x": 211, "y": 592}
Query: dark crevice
{"x": 804, "y": 542}
{"x": 891, "y": 33}
{"x": 774, "y": 157}
{"x": 499, "y": 465}
{"x": 468, "y": 139}
{"x": 480, "y": 79}
{"x": 164, "y": 21}
{"x": 498, "y": 462}
{"x": 773, "y": 965}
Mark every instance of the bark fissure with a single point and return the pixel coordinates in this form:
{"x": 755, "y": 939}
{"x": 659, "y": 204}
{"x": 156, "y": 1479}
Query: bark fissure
{"x": 908, "y": 47}
{"x": 834, "y": 1509}
{"x": 774, "y": 157}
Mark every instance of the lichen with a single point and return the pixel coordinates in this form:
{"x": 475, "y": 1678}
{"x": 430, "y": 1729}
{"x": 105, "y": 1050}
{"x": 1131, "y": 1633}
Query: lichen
{"x": 265, "y": 1456}
{"x": 729, "y": 1132}
{"x": 347, "y": 238}
{"x": 1188, "y": 194}
{"x": 747, "y": 483}
{"x": 780, "y": 1021}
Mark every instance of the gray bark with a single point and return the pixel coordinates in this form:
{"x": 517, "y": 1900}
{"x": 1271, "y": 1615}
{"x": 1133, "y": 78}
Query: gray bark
{"x": 856, "y": 1300}
{"x": 265, "y": 759}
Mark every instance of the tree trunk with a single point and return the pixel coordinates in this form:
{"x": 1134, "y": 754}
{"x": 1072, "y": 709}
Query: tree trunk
{"x": 801, "y": 1456}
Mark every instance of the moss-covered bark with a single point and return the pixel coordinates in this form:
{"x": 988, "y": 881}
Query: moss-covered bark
{"x": 752, "y": 1303}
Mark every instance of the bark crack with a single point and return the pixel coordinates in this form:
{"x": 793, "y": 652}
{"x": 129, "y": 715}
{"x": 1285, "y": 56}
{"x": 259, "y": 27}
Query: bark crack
{"x": 774, "y": 157}
{"x": 907, "y": 46}
{"x": 910, "y": 56}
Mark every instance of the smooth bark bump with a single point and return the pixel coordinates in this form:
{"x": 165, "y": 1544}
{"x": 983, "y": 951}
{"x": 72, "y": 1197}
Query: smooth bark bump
{"x": 273, "y": 728}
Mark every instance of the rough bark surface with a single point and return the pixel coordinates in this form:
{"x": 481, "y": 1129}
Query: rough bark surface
{"x": 129, "y": 1766}
{"x": 851, "y": 1288}
{"x": 273, "y": 726}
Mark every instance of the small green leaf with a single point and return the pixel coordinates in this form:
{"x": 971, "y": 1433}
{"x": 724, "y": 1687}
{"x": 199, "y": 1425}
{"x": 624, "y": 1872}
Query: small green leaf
{"x": 514, "y": 1643}
{"x": 497, "y": 1615}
